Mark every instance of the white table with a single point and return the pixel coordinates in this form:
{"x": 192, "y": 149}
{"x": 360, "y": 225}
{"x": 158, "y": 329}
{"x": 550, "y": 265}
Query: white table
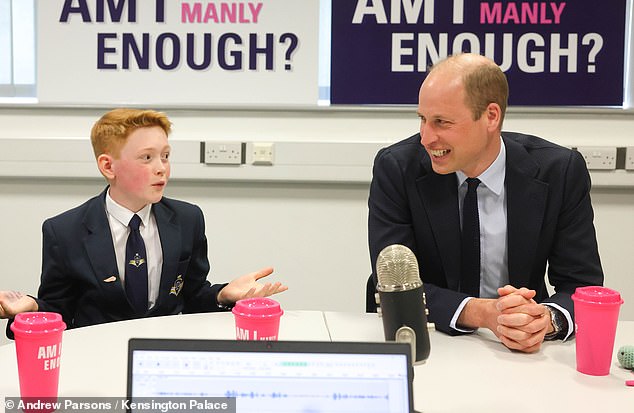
{"x": 93, "y": 362}
{"x": 473, "y": 373}
{"x": 476, "y": 373}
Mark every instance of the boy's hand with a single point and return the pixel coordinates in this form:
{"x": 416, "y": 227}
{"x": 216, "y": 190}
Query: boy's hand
{"x": 14, "y": 302}
{"x": 247, "y": 286}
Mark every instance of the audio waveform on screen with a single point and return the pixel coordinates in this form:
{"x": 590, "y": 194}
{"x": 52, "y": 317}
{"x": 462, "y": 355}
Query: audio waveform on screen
{"x": 278, "y": 395}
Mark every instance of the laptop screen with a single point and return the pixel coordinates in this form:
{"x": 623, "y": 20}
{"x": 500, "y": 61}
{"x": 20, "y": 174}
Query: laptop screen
{"x": 275, "y": 376}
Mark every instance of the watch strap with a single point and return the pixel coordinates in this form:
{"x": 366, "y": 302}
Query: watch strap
{"x": 559, "y": 323}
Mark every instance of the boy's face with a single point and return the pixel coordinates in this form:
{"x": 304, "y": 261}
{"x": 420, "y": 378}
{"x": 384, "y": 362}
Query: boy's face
{"x": 139, "y": 175}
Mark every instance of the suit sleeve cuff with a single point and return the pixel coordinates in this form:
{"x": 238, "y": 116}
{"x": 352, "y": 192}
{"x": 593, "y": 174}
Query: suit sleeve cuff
{"x": 454, "y": 319}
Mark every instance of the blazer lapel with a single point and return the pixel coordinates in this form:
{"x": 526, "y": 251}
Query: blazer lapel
{"x": 100, "y": 251}
{"x": 170, "y": 235}
{"x": 526, "y": 198}
{"x": 439, "y": 195}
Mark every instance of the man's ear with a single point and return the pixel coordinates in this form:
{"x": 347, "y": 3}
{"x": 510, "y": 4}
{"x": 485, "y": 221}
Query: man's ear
{"x": 494, "y": 116}
{"x": 104, "y": 163}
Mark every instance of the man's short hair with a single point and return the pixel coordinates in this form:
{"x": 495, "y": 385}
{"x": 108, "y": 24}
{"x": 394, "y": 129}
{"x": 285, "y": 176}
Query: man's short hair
{"x": 483, "y": 80}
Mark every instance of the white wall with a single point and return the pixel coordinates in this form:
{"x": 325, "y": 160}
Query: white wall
{"x": 314, "y": 234}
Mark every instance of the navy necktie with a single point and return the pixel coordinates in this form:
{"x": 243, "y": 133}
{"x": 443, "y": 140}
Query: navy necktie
{"x": 470, "y": 263}
{"x": 136, "y": 283}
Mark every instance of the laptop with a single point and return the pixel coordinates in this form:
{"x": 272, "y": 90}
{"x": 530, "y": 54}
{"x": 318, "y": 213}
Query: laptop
{"x": 271, "y": 376}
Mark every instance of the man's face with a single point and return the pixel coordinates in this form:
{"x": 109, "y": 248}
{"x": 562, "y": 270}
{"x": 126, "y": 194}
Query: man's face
{"x": 142, "y": 169}
{"x": 453, "y": 140}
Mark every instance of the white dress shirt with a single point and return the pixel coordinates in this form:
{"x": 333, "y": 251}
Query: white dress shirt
{"x": 118, "y": 218}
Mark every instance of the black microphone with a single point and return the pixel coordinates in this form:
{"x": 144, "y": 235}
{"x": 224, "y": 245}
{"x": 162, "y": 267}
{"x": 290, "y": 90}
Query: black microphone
{"x": 402, "y": 300}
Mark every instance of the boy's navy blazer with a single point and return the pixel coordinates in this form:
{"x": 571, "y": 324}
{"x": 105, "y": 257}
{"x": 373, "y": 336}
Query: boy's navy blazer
{"x": 549, "y": 220}
{"x": 80, "y": 278}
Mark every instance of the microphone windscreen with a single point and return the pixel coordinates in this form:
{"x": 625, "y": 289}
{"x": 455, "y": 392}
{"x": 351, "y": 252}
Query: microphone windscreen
{"x": 397, "y": 269}
{"x": 625, "y": 356}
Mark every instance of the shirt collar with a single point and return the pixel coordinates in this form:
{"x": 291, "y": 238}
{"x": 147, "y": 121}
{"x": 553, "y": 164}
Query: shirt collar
{"x": 493, "y": 176}
{"x": 123, "y": 214}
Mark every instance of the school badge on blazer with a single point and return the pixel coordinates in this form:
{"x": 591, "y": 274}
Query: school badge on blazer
{"x": 110, "y": 279}
{"x": 178, "y": 285}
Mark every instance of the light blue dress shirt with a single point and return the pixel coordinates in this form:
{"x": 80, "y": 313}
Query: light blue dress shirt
{"x": 493, "y": 233}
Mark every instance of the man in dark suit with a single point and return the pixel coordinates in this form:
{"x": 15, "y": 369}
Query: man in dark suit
{"x": 533, "y": 211}
{"x": 87, "y": 275}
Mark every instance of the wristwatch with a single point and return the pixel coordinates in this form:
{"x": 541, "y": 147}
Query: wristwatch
{"x": 559, "y": 323}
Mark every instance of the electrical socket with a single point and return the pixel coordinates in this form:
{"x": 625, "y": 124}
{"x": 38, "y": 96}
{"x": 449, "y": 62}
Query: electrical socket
{"x": 223, "y": 153}
{"x": 263, "y": 153}
{"x": 599, "y": 157}
{"x": 629, "y": 158}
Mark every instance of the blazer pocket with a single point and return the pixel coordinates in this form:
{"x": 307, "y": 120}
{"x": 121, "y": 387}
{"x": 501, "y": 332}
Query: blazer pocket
{"x": 181, "y": 268}
{"x": 179, "y": 280}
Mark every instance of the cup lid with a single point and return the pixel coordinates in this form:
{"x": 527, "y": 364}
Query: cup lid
{"x": 597, "y": 294}
{"x": 257, "y": 307}
{"x": 37, "y": 322}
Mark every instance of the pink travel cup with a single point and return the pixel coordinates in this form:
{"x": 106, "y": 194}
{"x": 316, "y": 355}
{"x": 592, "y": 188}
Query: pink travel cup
{"x": 596, "y": 316}
{"x": 257, "y": 318}
{"x": 38, "y": 346}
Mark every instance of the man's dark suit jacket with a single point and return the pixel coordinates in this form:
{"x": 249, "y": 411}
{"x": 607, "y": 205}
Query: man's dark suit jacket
{"x": 80, "y": 279}
{"x": 549, "y": 217}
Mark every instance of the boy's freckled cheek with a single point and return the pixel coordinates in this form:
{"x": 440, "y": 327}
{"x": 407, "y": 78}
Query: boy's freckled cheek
{"x": 135, "y": 178}
{"x": 140, "y": 179}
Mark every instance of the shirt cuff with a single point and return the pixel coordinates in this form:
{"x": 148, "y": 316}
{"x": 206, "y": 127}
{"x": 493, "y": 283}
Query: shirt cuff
{"x": 454, "y": 319}
{"x": 568, "y": 318}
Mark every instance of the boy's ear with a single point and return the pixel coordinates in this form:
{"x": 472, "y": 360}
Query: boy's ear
{"x": 104, "y": 163}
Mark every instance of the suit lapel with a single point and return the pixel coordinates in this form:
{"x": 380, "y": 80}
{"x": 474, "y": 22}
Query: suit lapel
{"x": 439, "y": 195}
{"x": 526, "y": 198}
{"x": 100, "y": 250}
{"x": 170, "y": 235}
{"x": 98, "y": 239}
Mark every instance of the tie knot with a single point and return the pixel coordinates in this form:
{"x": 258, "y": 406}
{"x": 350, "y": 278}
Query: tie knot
{"x": 135, "y": 221}
{"x": 472, "y": 184}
